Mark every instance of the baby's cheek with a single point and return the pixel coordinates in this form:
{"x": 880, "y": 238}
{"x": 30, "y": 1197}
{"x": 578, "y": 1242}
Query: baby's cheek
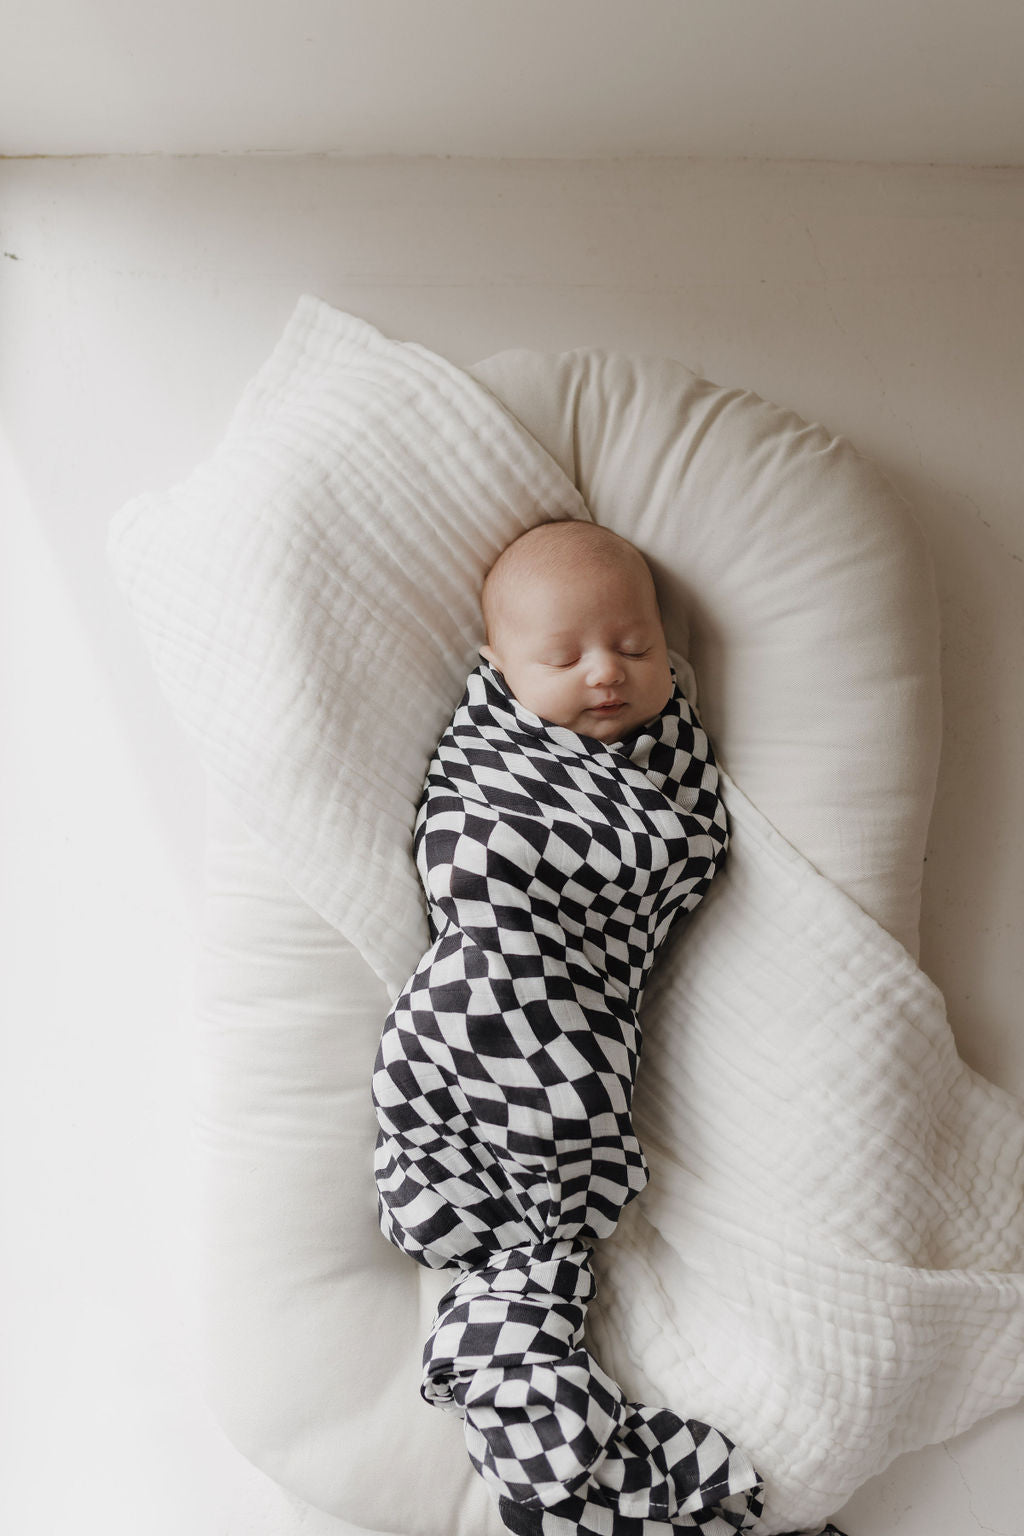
{"x": 549, "y": 703}
{"x": 546, "y": 699}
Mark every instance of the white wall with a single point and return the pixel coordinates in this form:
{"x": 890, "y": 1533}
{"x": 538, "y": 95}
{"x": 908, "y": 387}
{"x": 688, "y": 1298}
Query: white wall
{"x": 137, "y": 296}
{"x": 925, "y": 81}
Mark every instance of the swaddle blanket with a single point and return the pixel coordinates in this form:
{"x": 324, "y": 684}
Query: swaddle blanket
{"x": 554, "y": 866}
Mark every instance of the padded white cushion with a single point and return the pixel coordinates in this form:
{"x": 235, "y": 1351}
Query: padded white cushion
{"x": 792, "y": 575}
{"x": 790, "y": 572}
{"x": 315, "y": 1325}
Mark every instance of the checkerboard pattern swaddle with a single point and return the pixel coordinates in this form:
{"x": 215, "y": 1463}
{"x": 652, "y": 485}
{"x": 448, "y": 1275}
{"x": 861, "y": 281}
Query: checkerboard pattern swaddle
{"x": 554, "y": 866}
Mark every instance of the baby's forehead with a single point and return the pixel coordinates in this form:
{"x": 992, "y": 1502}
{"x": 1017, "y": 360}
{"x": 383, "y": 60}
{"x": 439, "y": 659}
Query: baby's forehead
{"x": 565, "y": 550}
{"x": 554, "y": 557}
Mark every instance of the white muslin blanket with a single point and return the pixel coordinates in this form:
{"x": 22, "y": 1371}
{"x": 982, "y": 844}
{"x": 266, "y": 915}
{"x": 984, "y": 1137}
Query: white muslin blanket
{"x": 828, "y": 1263}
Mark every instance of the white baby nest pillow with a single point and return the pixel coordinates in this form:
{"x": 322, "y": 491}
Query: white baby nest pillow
{"x": 789, "y": 574}
{"x": 793, "y": 578}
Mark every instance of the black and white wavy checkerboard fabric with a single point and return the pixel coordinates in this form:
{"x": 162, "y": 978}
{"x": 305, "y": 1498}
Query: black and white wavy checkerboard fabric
{"x": 554, "y": 866}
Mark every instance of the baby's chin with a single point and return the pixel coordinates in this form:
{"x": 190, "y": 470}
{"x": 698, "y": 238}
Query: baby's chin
{"x": 611, "y": 726}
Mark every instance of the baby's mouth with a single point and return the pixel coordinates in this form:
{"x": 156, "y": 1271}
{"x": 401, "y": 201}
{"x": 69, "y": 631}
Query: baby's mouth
{"x": 609, "y": 707}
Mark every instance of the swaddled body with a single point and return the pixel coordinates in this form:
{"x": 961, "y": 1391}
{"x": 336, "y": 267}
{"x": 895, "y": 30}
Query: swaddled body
{"x": 554, "y": 864}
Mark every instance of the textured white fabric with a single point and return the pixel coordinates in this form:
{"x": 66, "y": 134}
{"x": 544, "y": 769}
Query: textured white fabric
{"x": 309, "y": 600}
{"x": 835, "y": 1229}
{"x": 326, "y": 562}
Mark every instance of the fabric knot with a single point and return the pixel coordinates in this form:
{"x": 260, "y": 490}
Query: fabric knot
{"x": 534, "y": 1432}
{"x": 526, "y": 1308}
{"x": 547, "y": 1428}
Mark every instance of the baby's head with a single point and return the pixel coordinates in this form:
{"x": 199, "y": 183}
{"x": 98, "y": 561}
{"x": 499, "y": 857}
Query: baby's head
{"x": 573, "y": 626}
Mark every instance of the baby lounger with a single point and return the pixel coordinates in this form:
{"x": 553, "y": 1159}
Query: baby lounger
{"x": 832, "y": 1209}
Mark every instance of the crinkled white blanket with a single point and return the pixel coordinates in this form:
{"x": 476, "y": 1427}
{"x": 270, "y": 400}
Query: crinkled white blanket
{"x": 829, "y": 1261}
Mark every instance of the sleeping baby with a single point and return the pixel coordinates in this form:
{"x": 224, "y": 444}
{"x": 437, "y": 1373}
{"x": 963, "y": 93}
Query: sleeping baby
{"x": 570, "y": 813}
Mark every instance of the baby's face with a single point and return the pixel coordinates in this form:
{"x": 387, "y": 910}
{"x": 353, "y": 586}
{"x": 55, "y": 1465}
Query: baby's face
{"x": 584, "y": 652}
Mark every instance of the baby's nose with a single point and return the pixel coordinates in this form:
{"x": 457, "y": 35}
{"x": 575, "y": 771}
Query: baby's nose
{"x": 605, "y": 668}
